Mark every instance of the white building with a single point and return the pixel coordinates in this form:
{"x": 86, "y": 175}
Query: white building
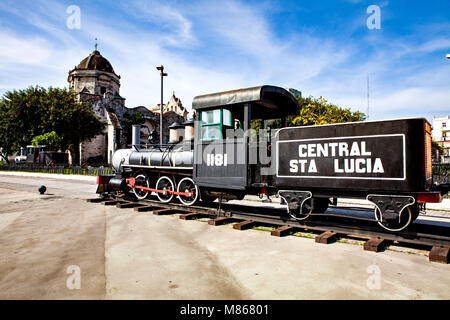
{"x": 441, "y": 134}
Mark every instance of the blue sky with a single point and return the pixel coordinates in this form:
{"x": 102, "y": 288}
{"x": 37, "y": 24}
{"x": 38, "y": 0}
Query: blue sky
{"x": 322, "y": 48}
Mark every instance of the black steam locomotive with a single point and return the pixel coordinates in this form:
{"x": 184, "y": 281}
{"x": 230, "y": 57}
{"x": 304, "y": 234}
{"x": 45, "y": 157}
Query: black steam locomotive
{"x": 385, "y": 162}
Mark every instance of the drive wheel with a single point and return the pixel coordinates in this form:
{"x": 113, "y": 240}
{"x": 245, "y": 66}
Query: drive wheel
{"x": 165, "y": 184}
{"x": 142, "y": 181}
{"x": 188, "y": 185}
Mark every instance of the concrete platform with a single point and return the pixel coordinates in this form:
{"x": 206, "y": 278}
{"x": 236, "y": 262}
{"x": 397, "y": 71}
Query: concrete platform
{"x": 123, "y": 254}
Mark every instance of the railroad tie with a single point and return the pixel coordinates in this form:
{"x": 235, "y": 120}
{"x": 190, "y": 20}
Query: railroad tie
{"x": 125, "y": 205}
{"x": 96, "y": 200}
{"x": 375, "y": 244}
{"x": 159, "y": 212}
{"x": 247, "y": 224}
{"x": 282, "y": 231}
{"x": 219, "y": 221}
{"x": 192, "y": 215}
{"x": 326, "y": 237}
{"x": 110, "y": 202}
{"x": 439, "y": 254}
{"x": 145, "y": 208}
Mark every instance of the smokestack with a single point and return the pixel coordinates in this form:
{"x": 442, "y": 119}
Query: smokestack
{"x": 136, "y": 135}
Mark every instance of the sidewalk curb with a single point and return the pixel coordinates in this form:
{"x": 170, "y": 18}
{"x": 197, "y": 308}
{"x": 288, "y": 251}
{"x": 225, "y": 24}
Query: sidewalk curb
{"x": 50, "y": 176}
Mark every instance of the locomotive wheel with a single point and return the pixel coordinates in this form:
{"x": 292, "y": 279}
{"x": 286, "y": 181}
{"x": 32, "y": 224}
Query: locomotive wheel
{"x": 188, "y": 185}
{"x": 407, "y": 216}
{"x": 165, "y": 183}
{"x": 141, "y": 180}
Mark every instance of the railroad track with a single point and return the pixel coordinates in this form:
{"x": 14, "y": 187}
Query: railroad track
{"x": 328, "y": 227}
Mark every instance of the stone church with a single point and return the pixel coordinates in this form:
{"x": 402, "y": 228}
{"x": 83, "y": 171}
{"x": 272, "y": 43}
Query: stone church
{"x": 95, "y": 81}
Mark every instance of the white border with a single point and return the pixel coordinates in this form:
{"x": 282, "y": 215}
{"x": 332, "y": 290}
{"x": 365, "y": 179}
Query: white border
{"x": 338, "y": 177}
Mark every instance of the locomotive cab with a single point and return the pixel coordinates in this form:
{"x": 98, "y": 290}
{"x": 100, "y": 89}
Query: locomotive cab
{"x": 230, "y": 154}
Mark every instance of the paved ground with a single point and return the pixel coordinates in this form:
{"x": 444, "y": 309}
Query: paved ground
{"x": 125, "y": 255}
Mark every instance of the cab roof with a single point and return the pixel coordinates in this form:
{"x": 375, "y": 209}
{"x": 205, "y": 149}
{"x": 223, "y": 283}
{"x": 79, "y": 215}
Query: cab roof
{"x": 268, "y": 102}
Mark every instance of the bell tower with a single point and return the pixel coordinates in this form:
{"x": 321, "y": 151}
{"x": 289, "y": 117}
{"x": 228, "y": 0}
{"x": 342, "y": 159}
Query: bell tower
{"x": 94, "y": 75}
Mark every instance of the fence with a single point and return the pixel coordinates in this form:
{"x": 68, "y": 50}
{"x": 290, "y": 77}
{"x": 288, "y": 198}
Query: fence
{"x": 441, "y": 171}
{"x": 89, "y": 171}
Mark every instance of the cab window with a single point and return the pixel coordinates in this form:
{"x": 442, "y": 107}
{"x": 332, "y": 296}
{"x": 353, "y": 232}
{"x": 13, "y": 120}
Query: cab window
{"x": 212, "y": 123}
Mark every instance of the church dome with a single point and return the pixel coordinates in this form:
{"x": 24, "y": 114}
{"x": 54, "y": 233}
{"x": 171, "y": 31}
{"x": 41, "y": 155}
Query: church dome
{"x": 95, "y": 61}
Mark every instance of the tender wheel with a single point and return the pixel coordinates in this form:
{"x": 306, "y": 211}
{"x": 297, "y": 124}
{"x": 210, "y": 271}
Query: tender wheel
{"x": 299, "y": 205}
{"x": 165, "y": 183}
{"x": 305, "y": 212}
{"x": 406, "y": 217}
{"x": 141, "y": 180}
{"x": 188, "y": 185}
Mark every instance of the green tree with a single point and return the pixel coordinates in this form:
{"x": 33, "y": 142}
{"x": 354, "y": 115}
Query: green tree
{"x": 19, "y": 119}
{"x": 320, "y": 111}
{"x": 50, "y": 139}
{"x": 25, "y": 114}
{"x": 313, "y": 111}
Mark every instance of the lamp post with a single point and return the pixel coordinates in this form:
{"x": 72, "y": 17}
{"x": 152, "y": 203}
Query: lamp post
{"x": 448, "y": 55}
{"x": 161, "y": 69}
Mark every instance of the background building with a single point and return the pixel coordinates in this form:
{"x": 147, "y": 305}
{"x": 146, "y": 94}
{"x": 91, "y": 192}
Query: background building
{"x": 95, "y": 80}
{"x": 174, "y": 105}
{"x": 441, "y": 134}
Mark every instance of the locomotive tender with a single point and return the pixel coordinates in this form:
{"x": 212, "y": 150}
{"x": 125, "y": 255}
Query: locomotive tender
{"x": 386, "y": 162}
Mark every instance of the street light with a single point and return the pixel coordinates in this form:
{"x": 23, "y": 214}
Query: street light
{"x": 161, "y": 69}
{"x": 448, "y": 55}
